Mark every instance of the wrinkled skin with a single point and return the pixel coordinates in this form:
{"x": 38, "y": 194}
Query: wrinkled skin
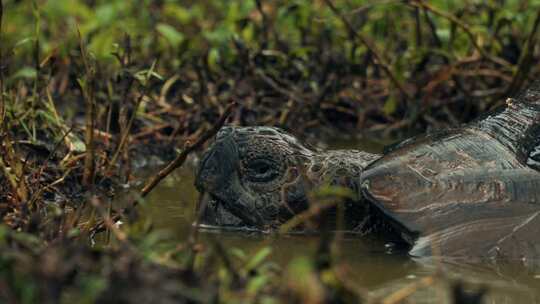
{"x": 260, "y": 177}
{"x": 471, "y": 191}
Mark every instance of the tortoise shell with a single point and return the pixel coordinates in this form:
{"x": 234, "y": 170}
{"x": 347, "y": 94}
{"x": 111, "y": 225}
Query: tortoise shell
{"x": 470, "y": 191}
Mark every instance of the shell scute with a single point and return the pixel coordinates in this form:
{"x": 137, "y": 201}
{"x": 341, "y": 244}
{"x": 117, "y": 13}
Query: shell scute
{"x": 469, "y": 191}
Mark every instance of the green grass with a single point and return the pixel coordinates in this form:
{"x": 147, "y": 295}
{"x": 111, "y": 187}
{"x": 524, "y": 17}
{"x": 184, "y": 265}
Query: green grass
{"x": 76, "y": 110}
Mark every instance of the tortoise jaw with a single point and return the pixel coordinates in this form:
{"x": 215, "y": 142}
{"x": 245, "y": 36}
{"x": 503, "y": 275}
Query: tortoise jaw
{"x": 219, "y": 213}
{"x": 214, "y": 215}
{"x": 245, "y": 207}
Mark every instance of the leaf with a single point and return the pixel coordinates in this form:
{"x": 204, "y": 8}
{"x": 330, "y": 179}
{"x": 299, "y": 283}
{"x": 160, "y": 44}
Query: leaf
{"x": 268, "y": 300}
{"x": 390, "y": 106}
{"x": 47, "y": 116}
{"x": 257, "y": 284}
{"x": 82, "y": 83}
{"x": 25, "y": 72}
{"x": 258, "y": 258}
{"x": 334, "y": 191}
{"x": 170, "y": 33}
{"x": 144, "y": 75}
{"x": 106, "y": 14}
{"x": 76, "y": 144}
{"x": 102, "y": 44}
{"x": 443, "y": 34}
{"x": 91, "y": 287}
{"x": 73, "y": 232}
{"x": 29, "y": 240}
{"x": 181, "y": 14}
{"x": 238, "y": 253}
{"x": 300, "y": 267}
{"x": 213, "y": 58}
{"x": 23, "y": 42}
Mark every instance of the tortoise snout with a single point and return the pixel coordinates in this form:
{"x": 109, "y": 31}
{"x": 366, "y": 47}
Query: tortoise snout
{"x": 207, "y": 168}
{"x": 224, "y": 132}
{"x": 218, "y": 163}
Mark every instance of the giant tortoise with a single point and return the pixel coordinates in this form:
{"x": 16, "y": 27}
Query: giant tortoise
{"x": 468, "y": 191}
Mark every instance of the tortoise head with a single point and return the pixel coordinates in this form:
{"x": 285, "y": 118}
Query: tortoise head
{"x": 259, "y": 177}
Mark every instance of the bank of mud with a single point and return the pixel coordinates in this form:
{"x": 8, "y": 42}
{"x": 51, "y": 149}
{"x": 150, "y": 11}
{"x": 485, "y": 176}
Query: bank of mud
{"x": 84, "y": 109}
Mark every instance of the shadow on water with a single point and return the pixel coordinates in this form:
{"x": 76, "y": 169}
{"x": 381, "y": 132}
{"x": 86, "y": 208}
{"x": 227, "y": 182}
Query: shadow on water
{"x": 170, "y": 208}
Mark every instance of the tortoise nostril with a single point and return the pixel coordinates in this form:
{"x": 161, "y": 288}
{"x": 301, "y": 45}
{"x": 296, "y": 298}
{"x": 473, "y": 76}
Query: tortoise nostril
{"x": 224, "y": 131}
{"x": 206, "y": 168}
{"x": 218, "y": 163}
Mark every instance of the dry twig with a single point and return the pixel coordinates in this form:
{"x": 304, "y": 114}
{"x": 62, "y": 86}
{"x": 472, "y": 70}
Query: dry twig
{"x": 405, "y": 292}
{"x": 87, "y": 89}
{"x": 181, "y": 158}
{"x": 176, "y": 163}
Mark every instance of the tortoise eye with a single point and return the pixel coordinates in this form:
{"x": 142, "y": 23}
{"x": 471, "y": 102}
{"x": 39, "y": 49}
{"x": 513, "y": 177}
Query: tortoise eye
{"x": 262, "y": 170}
{"x": 260, "y": 167}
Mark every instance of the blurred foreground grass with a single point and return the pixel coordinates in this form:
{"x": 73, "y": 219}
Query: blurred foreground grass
{"x": 91, "y": 89}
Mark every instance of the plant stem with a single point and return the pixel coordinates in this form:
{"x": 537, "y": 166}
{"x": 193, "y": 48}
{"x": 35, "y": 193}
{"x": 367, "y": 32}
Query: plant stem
{"x": 181, "y": 158}
{"x": 36, "y": 55}
{"x": 127, "y": 129}
{"x": 526, "y": 60}
{"x": 1, "y": 66}
{"x": 377, "y": 58}
{"x": 88, "y": 92}
{"x": 176, "y": 163}
{"x": 465, "y": 27}
{"x": 12, "y": 167}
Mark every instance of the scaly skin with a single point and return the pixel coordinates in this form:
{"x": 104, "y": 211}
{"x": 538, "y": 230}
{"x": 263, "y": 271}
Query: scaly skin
{"x": 260, "y": 177}
{"x": 468, "y": 191}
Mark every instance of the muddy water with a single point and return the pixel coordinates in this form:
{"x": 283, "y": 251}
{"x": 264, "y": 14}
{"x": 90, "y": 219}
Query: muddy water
{"x": 372, "y": 266}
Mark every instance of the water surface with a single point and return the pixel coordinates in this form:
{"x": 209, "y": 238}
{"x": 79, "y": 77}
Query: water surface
{"x": 171, "y": 206}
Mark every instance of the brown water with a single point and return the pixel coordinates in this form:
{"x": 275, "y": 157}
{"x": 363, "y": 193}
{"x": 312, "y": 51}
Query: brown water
{"x": 171, "y": 207}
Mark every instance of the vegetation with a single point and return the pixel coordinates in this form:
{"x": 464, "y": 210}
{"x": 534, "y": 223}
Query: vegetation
{"x": 90, "y": 88}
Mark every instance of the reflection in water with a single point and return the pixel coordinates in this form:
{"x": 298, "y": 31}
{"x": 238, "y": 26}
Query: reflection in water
{"x": 171, "y": 208}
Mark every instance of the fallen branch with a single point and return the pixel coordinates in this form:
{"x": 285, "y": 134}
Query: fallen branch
{"x": 176, "y": 163}
{"x": 181, "y": 158}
